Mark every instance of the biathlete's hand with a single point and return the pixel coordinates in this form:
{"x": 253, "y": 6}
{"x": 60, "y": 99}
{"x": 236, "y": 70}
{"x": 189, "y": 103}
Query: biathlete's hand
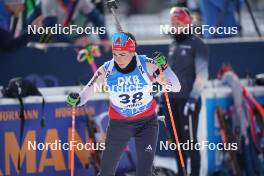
{"x": 111, "y": 4}
{"x": 189, "y": 107}
{"x": 73, "y": 99}
{"x": 160, "y": 60}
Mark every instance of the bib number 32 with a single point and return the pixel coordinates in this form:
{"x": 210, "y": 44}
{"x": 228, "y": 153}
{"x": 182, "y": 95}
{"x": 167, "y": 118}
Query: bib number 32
{"x": 125, "y": 98}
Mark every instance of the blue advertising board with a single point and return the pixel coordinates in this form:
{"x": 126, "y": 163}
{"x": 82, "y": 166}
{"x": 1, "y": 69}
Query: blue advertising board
{"x": 38, "y": 160}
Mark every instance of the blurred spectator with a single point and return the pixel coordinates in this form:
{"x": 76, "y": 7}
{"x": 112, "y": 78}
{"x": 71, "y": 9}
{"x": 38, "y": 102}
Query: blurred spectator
{"x": 31, "y": 11}
{"x": 136, "y": 6}
{"x": 193, "y": 5}
{"x": 64, "y": 11}
{"x": 188, "y": 57}
{"x": 220, "y": 13}
{"x": 8, "y": 9}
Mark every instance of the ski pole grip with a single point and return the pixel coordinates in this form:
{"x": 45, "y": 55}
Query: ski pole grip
{"x": 111, "y": 4}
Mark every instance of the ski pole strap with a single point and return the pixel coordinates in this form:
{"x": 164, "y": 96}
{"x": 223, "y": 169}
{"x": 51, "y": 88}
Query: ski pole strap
{"x": 157, "y": 72}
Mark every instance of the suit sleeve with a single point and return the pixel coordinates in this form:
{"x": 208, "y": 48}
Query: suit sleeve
{"x": 201, "y": 61}
{"x": 92, "y": 86}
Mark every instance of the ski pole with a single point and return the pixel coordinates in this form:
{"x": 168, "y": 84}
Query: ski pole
{"x": 112, "y": 5}
{"x": 189, "y": 167}
{"x": 73, "y": 136}
{"x": 190, "y": 127}
{"x": 173, "y": 125}
{"x": 253, "y": 18}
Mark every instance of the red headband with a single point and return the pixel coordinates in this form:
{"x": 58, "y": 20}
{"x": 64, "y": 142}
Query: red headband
{"x": 122, "y": 42}
{"x": 127, "y": 46}
{"x": 180, "y": 14}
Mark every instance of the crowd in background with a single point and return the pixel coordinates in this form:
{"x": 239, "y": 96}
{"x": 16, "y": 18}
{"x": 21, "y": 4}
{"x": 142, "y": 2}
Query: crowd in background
{"x": 16, "y": 15}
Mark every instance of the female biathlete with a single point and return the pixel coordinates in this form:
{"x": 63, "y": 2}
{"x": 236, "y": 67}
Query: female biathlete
{"x": 128, "y": 78}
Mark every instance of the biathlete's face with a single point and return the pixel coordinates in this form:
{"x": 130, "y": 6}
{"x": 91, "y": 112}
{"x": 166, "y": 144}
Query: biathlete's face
{"x": 123, "y": 58}
{"x": 178, "y": 25}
